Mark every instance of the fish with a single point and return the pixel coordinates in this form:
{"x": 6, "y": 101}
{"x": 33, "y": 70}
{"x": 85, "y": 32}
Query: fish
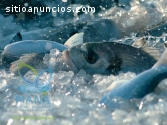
{"x": 32, "y": 52}
{"x": 109, "y": 57}
{"x": 14, "y": 51}
{"x": 139, "y": 86}
{"x": 94, "y": 57}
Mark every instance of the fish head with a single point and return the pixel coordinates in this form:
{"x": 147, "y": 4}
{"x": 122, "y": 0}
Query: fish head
{"x": 94, "y": 58}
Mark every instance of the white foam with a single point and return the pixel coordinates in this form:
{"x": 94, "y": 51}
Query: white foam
{"x": 75, "y": 97}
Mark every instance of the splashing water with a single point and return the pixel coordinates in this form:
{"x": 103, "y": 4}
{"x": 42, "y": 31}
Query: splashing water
{"x": 74, "y": 98}
{"x": 54, "y": 60}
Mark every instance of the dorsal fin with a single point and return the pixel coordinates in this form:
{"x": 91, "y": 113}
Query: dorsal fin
{"x": 76, "y": 39}
{"x": 152, "y": 51}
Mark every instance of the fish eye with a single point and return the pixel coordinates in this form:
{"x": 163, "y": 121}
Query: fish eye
{"x": 91, "y": 57}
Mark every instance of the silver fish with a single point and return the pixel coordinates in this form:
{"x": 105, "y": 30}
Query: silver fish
{"x": 107, "y": 58}
{"x": 138, "y": 87}
{"x": 32, "y": 52}
{"x": 14, "y": 51}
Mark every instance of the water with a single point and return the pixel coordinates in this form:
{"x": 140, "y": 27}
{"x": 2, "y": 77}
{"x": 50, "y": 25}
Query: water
{"x": 74, "y": 98}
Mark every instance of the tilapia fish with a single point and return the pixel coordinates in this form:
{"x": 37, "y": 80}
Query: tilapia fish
{"x": 108, "y": 57}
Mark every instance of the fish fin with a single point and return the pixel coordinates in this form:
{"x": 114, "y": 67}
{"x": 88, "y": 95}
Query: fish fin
{"x": 76, "y": 39}
{"x": 115, "y": 84}
{"x": 33, "y": 59}
{"x": 152, "y": 51}
{"x": 162, "y": 60}
{"x": 140, "y": 43}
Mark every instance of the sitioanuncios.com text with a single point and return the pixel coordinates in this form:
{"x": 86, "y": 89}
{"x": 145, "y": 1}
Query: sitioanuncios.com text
{"x": 18, "y": 9}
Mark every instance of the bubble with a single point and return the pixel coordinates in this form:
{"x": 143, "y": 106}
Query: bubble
{"x": 3, "y": 83}
{"x": 64, "y": 0}
{"x": 48, "y": 46}
{"x": 57, "y": 103}
{"x": 26, "y": 4}
{"x": 10, "y": 121}
{"x": 54, "y": 60}
{"x": 63, "y": 77}
{"x": 54, "y": 14}
{"x": 39, "y": 13}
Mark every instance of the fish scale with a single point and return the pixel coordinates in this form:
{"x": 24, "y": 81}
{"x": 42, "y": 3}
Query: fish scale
{"x": 117, "y": 57}
{"x": 133, "y": 56}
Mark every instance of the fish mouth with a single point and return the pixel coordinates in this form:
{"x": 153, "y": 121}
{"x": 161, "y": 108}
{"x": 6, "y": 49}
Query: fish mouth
{"x": 68, "y": 61}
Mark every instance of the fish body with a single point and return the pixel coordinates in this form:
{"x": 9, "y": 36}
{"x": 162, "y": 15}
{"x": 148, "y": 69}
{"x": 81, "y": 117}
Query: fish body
{"x": 14, "y": 51}
{"x": 138, "y": 87}
{"x": 107, "y": 57}
{"x": 32, "y": 52}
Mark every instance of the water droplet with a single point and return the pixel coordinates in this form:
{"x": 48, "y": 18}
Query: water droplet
{"x": 64, "y": 0}
{"x": 54, "y": 14}
{"x": 26, "y": 4}
{"x": 39, "y": 13}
